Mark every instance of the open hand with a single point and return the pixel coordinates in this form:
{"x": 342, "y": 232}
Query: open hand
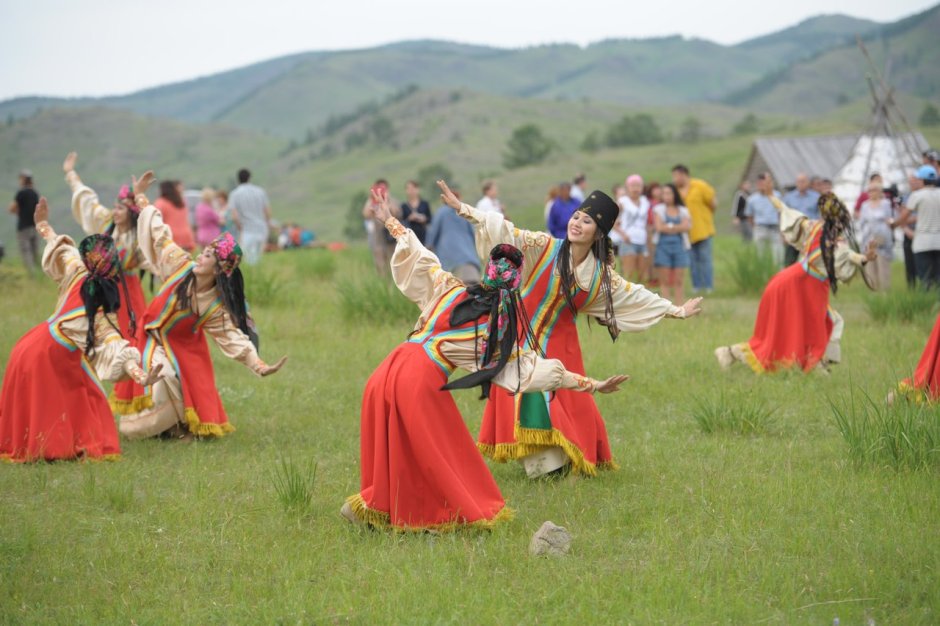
{"x": 69, "y": 164}
{"x": 380, "y": 206}
{"x": 143, "y": 183}
{"x": 151, "y": 377}
{"x": 691, "y": 307}
{"x": 42, "y": 211}
{"x": 612, "y": 384}
{"x": 448, "y": 196}
{"x": 267, "y": 370}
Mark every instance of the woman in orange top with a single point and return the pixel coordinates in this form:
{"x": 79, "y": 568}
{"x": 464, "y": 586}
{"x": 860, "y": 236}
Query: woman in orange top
{"x": 175, "y": 214}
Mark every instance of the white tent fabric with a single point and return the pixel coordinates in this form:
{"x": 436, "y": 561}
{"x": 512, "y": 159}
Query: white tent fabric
{"x": 888, "y": 156}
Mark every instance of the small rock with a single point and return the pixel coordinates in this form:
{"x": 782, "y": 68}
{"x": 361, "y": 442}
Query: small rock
{"x": 550, "y": 539}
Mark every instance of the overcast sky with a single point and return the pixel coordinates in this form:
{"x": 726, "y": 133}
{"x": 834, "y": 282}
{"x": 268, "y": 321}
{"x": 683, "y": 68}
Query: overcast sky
{"x": 107, "y": 47}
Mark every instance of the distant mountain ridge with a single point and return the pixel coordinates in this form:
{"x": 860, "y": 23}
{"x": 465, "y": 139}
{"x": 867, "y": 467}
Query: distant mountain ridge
{"x": 290, "y": 95}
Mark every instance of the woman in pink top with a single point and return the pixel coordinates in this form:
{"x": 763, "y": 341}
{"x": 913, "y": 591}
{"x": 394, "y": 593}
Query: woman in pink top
{"x": 175, "y": 214}
{"x": 208, "y": 220}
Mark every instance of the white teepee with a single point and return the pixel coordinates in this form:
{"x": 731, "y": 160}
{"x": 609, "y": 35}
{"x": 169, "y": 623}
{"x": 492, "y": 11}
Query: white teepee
{"x": 888, "y": 147}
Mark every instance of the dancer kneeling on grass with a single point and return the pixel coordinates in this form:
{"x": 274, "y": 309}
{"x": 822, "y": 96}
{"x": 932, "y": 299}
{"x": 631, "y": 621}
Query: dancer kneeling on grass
{"x": 120, "y": 223}
{"x": 52, "y": 405}
{"x": 420, "y": 468}
{"x": 196, "y": 299}
{"x": 795, "y": 325}
{"x": 924, "y": 385}
{"x": 562, "y": 278}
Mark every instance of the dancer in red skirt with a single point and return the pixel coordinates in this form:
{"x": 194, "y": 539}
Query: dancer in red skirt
{"x": 795, "y": 325}
{"x": 925, "y": 383}
{"x": 561, "y": 279}
{"x": 52, "y": 405}
{"x": 420, "y": 468}
{"x": 120, "y": 223}
{"x": 196, "y": 299}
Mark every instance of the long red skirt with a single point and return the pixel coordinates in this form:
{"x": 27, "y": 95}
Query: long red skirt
{"x": 793, "y": 325}
{"x": 122, "y": 398}
{"x": 420, "y": 468}
{"x": 515, "y": 426}
{"x": 52, "y": 405}
{"x": 926, "y": 379}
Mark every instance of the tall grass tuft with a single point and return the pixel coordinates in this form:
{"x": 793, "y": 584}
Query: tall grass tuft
{"x": 294, "y": 485}
{"x": 903, "y": 435}
{"x": 371, "y": 298}
{"x": 751, "y": 268}
{"x": 120, "y": 496}
{"x": 263, "y": 287}
{"x": 740, "y": 415}
{"x": 901, "y": 306}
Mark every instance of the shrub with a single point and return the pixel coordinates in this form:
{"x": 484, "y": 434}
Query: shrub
{"x": 263, "y": 287}
{"x": 739, "y": 415}
{"x": 903, "y": 435}
{"x": 636, "y": 130}
{"x": 751, "y": 268}
{"x": 903, "y": 306}
{"x": 527, "y": 146}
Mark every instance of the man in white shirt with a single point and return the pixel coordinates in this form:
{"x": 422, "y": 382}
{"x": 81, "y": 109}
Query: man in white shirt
{"x": 490, "y": 200}
{"x": 924, "y": 205}
{"x": 251, "y": 213}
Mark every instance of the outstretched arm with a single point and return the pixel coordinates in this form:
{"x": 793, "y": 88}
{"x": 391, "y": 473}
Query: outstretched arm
{"x": 154, "y": 238}
{"x": 236, "y": 345}
{"x": 86, "y": 208}
{"x": 794, "y": 226}
{"x": 60, "y": 260}
{"x": 492, "y": 228}
{"x": 534, "y": 373}
{"x": 636, "y": 308}
{"x": 416, "y": 270}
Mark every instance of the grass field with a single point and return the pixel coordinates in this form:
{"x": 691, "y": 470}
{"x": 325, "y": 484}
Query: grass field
{"x": 774, "y": 526}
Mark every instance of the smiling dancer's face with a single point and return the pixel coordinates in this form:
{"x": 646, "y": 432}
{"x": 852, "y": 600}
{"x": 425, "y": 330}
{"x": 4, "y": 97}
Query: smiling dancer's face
{"x": 206, "y": 263}
{"x": 581, "y": 228}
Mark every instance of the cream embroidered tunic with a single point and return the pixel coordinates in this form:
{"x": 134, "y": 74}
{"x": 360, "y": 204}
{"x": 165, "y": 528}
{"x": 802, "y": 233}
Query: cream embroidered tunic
{"x": 418, "y": 274}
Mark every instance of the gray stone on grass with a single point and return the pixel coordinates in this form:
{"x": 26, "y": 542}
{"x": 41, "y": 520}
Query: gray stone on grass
{"x": 550, "y": 539}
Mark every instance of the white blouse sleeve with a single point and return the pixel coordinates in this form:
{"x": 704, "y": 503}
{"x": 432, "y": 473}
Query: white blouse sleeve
{"x": 155, "y": 241}
{"x": 492, "y": 229}
{"x": 86, "y": 209}
{"x": 416, "y": 270}
{"x": 635, "y": 307}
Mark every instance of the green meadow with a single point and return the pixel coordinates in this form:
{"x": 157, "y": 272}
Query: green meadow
{"x": 738, "y": 500}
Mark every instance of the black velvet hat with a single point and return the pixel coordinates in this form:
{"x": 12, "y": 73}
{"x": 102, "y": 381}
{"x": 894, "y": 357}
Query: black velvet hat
{"x": 602, "y": 210}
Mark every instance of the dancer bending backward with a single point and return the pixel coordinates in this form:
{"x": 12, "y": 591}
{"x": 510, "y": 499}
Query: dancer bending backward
{"x": 196, "y": 299}
{"x": 420, "y": 469}
{"x": 52, "y": 404}
{"x": 795, "y": 325}
{"x": 120, "y": 223}
{"x": 561, "y": 278}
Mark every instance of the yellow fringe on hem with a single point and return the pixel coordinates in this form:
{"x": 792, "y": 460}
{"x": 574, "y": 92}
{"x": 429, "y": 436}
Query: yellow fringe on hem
{"x": 911, "y": 393}
{"x": 107, "y": 458}
{"x": 129, "y": 407}
{"x": 201, "y": 429}
{"x": 532, "y": 440}
{"x": 750, "y": 358}
{"x": 380, "y": 519}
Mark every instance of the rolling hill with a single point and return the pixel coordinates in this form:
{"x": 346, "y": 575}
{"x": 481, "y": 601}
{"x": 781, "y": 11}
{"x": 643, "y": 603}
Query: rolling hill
{"x": 833, "y": 78}
{"x": 289, "y": 96}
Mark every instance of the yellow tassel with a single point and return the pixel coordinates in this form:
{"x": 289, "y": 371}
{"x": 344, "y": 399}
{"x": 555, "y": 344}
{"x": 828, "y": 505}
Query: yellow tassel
{"x": 201, "y": 429}
{"x": 129, "y": 407}
{"x": 532, "y": 440}
{"x": 750, "y": 358}
{"x": 912, "y": 394}
{"x": 380, "y": 519}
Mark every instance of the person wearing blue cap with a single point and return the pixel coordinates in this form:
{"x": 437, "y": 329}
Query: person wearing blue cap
{"x": 924, "y": 205}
